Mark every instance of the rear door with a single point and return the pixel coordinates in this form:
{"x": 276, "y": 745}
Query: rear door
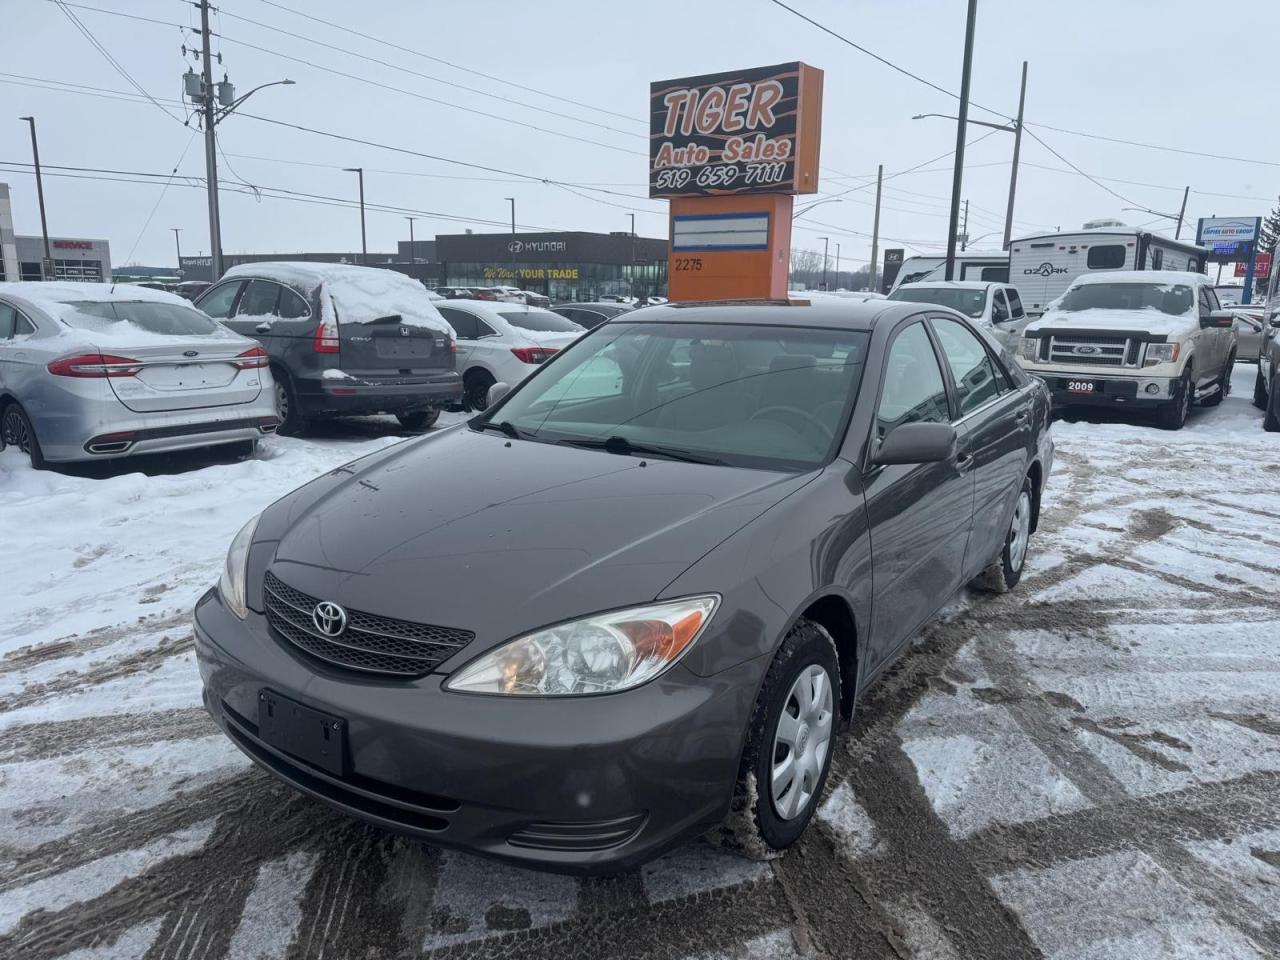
{"x": 465, "y": 328}
{"x": 387, "y": 347}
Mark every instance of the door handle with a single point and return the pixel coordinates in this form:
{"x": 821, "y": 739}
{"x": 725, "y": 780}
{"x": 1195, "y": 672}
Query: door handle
{"x": 262, "y": 328}
{"x": 1020, "y": 416}
{"x": 964, "y": 461}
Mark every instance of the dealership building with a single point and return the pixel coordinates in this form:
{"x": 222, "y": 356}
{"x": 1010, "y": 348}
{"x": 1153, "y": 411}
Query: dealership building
{"x": 71, "y": 258}
{"x": 564, "y": 266}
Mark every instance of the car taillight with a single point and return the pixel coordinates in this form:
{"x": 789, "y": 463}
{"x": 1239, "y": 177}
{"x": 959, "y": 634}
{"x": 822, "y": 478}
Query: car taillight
{"x": 251, "y": 359}
{"x": 453, "y": 345}
{"x": 92, "y": 365}
{"x": 326, "y": 339}
{"x": 533, "y": 354}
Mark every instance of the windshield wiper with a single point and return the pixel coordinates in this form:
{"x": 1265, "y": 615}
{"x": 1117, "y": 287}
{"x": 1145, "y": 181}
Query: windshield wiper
{"x": 617, "y": 444}
{"x": 502, "y": 426}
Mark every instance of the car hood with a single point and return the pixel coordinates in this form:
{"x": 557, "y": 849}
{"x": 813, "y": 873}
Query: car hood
{"x": 472, "y": 531}
{"x": 1149, "y": 320}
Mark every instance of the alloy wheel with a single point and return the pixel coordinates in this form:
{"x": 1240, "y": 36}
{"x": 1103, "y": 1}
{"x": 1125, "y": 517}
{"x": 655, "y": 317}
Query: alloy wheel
{"x": 1020, "y": 531}
{"x": 15, "y": 431}
{"x": 282, "y": 401}
{"x": 801, "y": 742}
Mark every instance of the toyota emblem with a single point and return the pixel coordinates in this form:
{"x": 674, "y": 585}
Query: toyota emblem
{"x": 329, "y": 618}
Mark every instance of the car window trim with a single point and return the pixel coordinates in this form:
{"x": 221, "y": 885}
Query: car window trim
{"x": 248, "y": 280}
{"x": 899, "y": 330}
{"x": 285, "y": 288}
{"x": 957, "y": 416}
{"x": 235, "y": 301}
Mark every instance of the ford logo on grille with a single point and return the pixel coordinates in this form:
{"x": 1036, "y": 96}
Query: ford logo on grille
{"x": 329, "y": 618}
{"x": 191, "y": 353}
{"x": 1085, "y": 350}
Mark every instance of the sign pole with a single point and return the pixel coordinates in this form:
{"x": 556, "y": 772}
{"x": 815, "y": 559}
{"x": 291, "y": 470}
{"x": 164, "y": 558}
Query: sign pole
{"x": 1247, "y": 294}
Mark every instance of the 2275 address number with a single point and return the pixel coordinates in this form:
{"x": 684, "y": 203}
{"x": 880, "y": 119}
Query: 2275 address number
{"x": 688, "y": 263}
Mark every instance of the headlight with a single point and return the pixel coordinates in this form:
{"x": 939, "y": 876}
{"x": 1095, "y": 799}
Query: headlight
{"x": 231, "y": 583}
{"x": 1160, "y": 353}
{"x": 1030, "y": 348}
{"x": 598, "y": 654}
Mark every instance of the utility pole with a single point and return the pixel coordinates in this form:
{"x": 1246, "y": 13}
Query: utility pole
{"x": 962, "y": 123}
{"x": 837, "y": 266}
{"x": 1182, "y": 212}
{"x": 178, "y": 244}
{"x": 511, "y": 247}
{"x": 1017, "y": 149}
{"x": 825, "y": 245}
{"x": 210, "y": 146}
{"x": 633, "y": 253}
{"x": 412, "y": 256}
{"x": 964, "y": 230}
{"x": 875, "y": 230}
{"x": 364, "y": 247}
{"x": 46, "y": 268}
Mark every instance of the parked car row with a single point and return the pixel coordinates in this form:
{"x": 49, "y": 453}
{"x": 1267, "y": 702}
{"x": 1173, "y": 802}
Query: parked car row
{"x": 503, "y": 294}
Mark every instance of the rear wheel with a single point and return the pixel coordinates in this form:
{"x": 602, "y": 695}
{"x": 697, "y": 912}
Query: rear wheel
{"x": 789, "y": 746}
{"x": 475, "y": 390}
{"x": 1173, "y": 415}
{"x": 1260, "y": 389}
{"x": 17, "y": 431}
{"x": 419, "y": 419}
{"x": 1004, "y": 572}
{"x": 292, "y": 423}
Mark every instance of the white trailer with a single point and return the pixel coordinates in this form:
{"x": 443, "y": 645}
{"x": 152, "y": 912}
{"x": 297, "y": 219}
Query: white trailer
{"x": 1043, "y": 266}
{"x": 991, "y": 266}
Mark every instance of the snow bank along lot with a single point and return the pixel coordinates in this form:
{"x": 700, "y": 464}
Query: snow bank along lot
{"x": 1088, "y": 767}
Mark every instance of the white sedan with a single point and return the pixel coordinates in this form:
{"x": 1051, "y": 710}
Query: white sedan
{"x": 502, "y": 342}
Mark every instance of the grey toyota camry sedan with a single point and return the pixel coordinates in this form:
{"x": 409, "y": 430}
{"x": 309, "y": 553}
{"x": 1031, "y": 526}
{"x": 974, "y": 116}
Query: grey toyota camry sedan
{"x": 634, "y": 600}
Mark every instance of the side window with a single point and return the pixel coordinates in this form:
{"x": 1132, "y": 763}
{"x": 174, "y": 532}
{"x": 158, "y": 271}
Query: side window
{"x": 292, "y": 306}
{"x": 484, "y": 330}
{"x": 913, "y": 390}
{"x": 7, "y": 317}
{"x": 1015, "y": 304}
{"x": 22, "y": 327}
{"x": 1157, "y": 258}
{"x": 217, "y": 302}
{"x": 999, "y": 307}
{"x": 995, "y": 274}
{"x": 970, "y": 364}
{"x": 1108, "y": 257}
{"x": 1212, "y": 295}
{"x": 259, "y": 299}
{"x": 463, "y": 323}
{"x": 569, "y": 313}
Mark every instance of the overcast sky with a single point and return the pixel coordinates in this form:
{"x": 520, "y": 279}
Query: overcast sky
{"x": 1166, "y": 74}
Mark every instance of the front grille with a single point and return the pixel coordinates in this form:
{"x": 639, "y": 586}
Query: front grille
{"x": 1111, "y": 351}
{"x": 370, "y": 643}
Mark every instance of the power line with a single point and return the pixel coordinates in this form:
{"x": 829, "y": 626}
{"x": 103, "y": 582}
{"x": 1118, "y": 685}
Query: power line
{"x": 1154, "y": 146}
{"x": 163, "y": 190}
{"x": 1097, "y": 183}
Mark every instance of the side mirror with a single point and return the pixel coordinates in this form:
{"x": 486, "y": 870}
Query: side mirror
{"x": 1218, "y": 319}
{"x": 916, "y": 443}
{"x": 496, "y": 393}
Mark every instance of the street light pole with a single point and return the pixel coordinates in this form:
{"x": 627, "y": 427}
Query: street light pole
{"x": 44, "y": 224}
{"x": 957, "y": 178}
{"x": 511, "y": 248}
{"x": 412, "y": 255}
{"x": 825, "y": 246}
{"x": 178, "y": 244}
{"x": 1017, "y": 148}
{"x": 875, "y": 229}
{"x": 364, "y": 248}
{"x": 1182, "y": 212}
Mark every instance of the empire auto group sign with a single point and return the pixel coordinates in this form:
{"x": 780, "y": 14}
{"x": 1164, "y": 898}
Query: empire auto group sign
{"x": 745, "y": 131}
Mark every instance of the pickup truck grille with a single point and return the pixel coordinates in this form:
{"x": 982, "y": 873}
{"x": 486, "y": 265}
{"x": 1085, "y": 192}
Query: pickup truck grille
{"x": 1091, "y": 350}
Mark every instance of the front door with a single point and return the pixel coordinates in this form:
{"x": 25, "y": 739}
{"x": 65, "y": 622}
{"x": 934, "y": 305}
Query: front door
{"x": 919, "y": 514}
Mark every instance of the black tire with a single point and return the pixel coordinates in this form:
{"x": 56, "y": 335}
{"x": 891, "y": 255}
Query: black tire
{"x": 419, "y": 419}
{"x": 1224, "y": 383}
{"x": 757, "y": 827}
{"x": 1271, "y": 422}
{"x": 17, "y": 432}
{"x": 292, "y": 422}
{"x": 1260, "y": 389}
{"x": 1173, "y": 415}
{"x": 1003, "y": 573}
{"x": 475, "y": 389}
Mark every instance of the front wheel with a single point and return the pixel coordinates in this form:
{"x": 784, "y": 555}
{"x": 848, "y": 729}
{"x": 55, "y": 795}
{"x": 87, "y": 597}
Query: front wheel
{"x": 1260, "y": 389}
{"x": 1004, "y": 572}
{"x": 789, "y": 746}
{"x": 1271, "y": 422}
{"x": 1173, "y": 415}
{"x": 1224, "y": 382}
{"x": 419, "y": 419}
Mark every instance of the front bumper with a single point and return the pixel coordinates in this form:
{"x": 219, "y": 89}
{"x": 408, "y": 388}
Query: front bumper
{"x": 1128, "y": 390}
{"x": 355, "y": 396}
{"x": 580, "y": 785}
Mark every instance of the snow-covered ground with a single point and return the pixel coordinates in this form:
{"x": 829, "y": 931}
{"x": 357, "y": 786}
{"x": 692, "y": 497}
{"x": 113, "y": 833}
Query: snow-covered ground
{"x": 1088, "y": 767}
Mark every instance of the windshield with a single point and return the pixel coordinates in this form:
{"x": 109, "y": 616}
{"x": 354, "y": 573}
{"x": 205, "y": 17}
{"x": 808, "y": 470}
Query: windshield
{"x": 164, "y": 318}
{"x": 1175, "y": 299}
{"x": 972, "y": 303}
{"x": 753, "y": 396}
{"x": 543, "y": 321}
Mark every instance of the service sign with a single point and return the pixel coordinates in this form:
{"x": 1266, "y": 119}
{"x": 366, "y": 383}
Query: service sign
{"x": 746, "y": 131}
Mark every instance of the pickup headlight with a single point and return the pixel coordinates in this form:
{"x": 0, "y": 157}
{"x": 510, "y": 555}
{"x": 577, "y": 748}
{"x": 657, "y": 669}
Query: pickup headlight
{"x": 604, "y": 653}
{"x": 231, "y": 584}
{"x": 1160, "y": 353}
{"x": 1029, "y": 348}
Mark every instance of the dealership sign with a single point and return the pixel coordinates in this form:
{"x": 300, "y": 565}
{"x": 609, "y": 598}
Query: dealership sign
{"x": 744, "y": 131}
{"x": 72, "y": 244}
{"x": 1229, "y": 239}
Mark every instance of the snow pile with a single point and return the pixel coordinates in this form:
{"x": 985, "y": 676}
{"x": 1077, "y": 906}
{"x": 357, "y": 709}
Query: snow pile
{"x": 358, "y": 294}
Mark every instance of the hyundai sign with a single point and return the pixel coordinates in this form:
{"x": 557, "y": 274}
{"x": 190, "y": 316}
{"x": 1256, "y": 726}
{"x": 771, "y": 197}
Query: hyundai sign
{"x": 1229, "y": 239}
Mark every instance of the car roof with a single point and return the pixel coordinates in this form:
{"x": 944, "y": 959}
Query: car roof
{"x": 1142, "y": 276}
{"x": 828, "y": 312}
{"x": 589, "y": 304}
{"x": 954, "y": 284}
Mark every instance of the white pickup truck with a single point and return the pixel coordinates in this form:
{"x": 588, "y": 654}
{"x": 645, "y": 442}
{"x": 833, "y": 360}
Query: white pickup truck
{"x": 1145, "y": 339}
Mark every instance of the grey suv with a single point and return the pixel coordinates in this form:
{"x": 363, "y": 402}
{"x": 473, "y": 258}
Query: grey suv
{"x": 342, "y": 340}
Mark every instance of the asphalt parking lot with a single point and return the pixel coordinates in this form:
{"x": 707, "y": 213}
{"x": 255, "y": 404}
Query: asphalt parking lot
{"x": 1088, "y": 767}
